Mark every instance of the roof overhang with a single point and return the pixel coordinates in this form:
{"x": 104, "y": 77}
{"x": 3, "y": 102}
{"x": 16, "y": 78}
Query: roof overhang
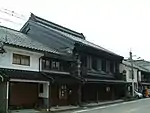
{"x": 100, "y": 74}
{"x": 91, "y": 50}
{"x": 64, "y": 78}
{"x": 105, "y": 81}
{"x": 145, "y": 83}
{"x": 66, "y": 57}
{"x": 23, "y": 74}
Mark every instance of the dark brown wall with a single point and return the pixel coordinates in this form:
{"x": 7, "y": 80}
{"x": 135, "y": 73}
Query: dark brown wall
{"x": 71, "y": 99}
{"x": 54, "y": 95}
{"x": 97, "y": 92}
{"x": 23, "y": 94}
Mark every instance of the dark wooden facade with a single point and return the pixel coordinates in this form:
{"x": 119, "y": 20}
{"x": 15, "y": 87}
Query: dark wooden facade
{"x": 64, "y": 87}
{"x": 94, "y": 71}
{"x": 101, "y": 73}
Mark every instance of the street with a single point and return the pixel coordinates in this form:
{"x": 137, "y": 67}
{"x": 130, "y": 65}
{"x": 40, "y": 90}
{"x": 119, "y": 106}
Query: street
{"x": 138, "y": 106}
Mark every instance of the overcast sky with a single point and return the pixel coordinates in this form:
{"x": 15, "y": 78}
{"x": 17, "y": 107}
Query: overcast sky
{"x": 117, "y": 25}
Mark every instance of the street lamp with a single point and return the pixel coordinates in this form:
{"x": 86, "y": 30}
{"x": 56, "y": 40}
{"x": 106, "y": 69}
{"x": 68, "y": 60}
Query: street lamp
{"x": 131, "y": 61}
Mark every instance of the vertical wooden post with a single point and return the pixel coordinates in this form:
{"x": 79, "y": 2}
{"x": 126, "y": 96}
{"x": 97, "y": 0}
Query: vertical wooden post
{"x": 97, "y": 96}
{"x": 113, "y": 95}
{"x": 126, "y": 90}
{"x": 79, "y": 95}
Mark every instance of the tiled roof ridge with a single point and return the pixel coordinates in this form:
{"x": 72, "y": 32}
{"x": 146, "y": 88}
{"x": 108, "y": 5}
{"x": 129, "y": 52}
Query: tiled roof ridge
{"x": 10, "y": 28}
{"x": 79, "y": 39}
{"x": 60, "y": 27}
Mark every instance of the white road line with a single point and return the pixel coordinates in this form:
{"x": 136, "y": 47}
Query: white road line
{"x": 103, "y": 107}
{"x": 132, "y": 110}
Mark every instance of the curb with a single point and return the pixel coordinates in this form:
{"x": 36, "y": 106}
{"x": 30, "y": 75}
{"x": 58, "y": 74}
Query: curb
{"x": 91, "y": 106}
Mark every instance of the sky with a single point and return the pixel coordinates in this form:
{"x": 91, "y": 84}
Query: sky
{"x": 117, "y": 25}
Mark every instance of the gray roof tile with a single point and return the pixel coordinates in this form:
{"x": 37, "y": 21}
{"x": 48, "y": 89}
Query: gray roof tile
{"x": 135, "y": 65}
{"x": 13, "y": 37}
{"x": 63, "y": 31}
{"x": 143, "y": 63}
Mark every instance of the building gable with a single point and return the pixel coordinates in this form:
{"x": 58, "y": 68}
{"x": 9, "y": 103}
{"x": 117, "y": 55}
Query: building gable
{"x": 66, "y": 34}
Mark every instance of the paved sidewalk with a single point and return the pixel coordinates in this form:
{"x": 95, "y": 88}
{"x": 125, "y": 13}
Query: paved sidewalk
{"x": 67, "y": 108}
{"x": 89, "y": 105}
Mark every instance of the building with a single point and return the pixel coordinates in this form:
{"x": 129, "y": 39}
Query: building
{"x": 22, "y": 83}
{"x": 140, "y": 73}
{"x": 126, "y": 68}
{"x": 145, "y": 74}
{"x": 95, "y": 68}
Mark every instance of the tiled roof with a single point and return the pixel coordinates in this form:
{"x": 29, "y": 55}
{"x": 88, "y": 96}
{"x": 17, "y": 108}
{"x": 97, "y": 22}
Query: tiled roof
{"x": 83, "y": 41}
{"x": 13, "y": 37}
{"x": 143, "y": 63}
{"x": 128, "y": 63}
{"x": 63, "y": 31}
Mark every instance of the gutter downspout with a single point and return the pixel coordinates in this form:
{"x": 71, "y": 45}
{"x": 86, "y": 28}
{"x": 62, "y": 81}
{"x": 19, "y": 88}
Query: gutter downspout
{"x": 7, "y": 96}
{"x": 2, "y": 78}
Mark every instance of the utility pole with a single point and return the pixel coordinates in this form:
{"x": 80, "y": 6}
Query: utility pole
{"x": 131, "y": 61}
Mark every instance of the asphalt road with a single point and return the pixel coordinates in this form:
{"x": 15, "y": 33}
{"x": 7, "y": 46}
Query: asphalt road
{"x": 138, "y": 106}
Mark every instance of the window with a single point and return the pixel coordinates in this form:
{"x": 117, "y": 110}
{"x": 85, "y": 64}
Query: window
{"x": 43, "y": 64}
{"x": 130, "y": 74}
{"x": 142, "y": 77}
{"x": 104, "y": 65}
{"x": 99, "y": 64}
{"x": 47, "y": 64}
{"x": 138, "y": 76}
{"x": 112, "y": 67}
{"x": 50, "y": 65}
{"x": 63, "y": 92}
{"x": 84, "y": 60}
{"x": 21, "y": 59}
{"x": 115, "y": 65}
{"x": 94, "y": 63}
{"x": 89, "y": 61}
{"x": 107, "y": 66}
{"x": 55, "y": 65}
